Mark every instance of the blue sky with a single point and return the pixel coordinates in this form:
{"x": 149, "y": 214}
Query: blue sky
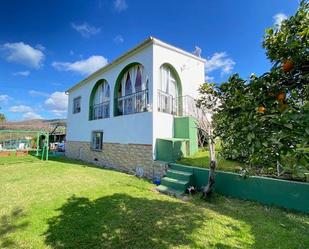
{"x": 48, "y": 46}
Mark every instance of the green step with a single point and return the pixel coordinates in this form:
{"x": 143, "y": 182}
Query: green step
{"x": 169, "y": 191}
{"x": 180, "y": 175}
{"x": 175, "y": 183}
{"x": 180, "y": 167}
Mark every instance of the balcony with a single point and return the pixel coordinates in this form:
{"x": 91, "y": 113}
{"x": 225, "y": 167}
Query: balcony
{"x": 180, "y": 106}
{"x": 100, "y": 111}
{"x": 167, "y": 103}
{"x": 133, "y": 103}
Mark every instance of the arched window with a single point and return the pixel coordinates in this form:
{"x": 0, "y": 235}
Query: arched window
{"x": 132, "y": 90}
{"x": 138, "y": 80}
{"x": 100, "y": 100}
{"x": 128, "y": 85}
{"x": 169, "y": 90}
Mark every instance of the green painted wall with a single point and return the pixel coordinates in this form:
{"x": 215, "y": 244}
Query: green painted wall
{"x": 185, "y": 127}
{"x": 281, "y": 193}
{"x": 170, "y": 149}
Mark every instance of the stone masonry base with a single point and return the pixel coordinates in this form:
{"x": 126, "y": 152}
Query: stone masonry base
{"x": 123, "y": 157}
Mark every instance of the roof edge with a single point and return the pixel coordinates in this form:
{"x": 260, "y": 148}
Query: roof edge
{"x": 140, "y": 46}
{"x": 150, "y": 40}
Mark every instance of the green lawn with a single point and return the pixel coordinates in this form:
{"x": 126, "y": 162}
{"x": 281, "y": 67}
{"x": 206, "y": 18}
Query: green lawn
{"x": 67, "y": 204}
{"x": 201, "y": 159}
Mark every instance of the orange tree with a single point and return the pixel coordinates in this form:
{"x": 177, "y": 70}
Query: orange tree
{"x": 264, "y": 121}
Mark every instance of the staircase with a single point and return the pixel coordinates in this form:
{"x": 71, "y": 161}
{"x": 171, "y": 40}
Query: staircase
{"x": 176, "y": 181}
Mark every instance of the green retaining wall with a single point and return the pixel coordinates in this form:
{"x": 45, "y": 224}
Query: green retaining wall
{"x": 185, "y": 127}
{"x": 281, "y": 193}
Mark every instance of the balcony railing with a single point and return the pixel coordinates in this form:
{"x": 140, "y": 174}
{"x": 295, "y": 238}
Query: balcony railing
{"x": 133, "y": 103}
{"x": 180, "y": 106}
{"x": 100, "y": 111}
{"x": 167, "y": 103}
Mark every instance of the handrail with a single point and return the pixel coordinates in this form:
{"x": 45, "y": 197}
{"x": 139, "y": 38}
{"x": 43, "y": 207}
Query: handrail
{"x": 181, "y": 106}
{"x": 131, "y": 94}
{"x": 102, "y": 103}
{"x": 133, "y": 103}
{"x": 99, "y": 111}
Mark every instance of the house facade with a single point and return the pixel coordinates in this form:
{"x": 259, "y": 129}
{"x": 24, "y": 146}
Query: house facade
{"x": 123, "y": 115}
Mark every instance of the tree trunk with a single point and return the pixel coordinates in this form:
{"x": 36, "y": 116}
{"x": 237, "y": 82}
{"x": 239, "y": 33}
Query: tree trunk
{"x": 212, "y": 167}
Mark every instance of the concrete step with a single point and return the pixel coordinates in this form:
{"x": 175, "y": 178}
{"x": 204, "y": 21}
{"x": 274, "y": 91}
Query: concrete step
{"x": 169, "y": 191}
{"x": 180, "y": 167}
{"x": 175, "y": 183}
{"x": 180, "y": 175}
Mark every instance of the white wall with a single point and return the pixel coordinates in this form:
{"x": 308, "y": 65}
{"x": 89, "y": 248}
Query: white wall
{"x": 191, "y": 73}
{"x": 133, "y": 128}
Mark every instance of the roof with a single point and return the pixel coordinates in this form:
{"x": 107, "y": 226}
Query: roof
{"x": 149, "y": 41}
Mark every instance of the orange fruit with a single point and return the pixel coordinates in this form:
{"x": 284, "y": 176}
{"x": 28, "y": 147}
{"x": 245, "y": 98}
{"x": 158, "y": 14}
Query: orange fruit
{"x": 281, "y": 96}
{"x": 261, "y": 109}
{"x": 288, "y": 66}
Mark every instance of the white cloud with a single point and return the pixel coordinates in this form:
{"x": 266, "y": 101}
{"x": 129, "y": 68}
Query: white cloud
{"x": 57, "y": 103}
{"x": 22, "y": 73}
{"x": 85, "y": 29}
{"x": 4, "y": 98}
{"x": 20, "y": 109}
{"x": 118, "y": 39}
{"x": 120, "y": 5}
{"x": 32, "y": 115}
{"x": 34, "y": 93}
{"x": 27, "y": 112}
{"x": 209, "y": 78}
{"x": 219, "y": 61}
{"x": 24, "y": 54}
{"x": 40, "y": 47}
{"x": 84, "y": 67}
{"x": 278, "y": 18}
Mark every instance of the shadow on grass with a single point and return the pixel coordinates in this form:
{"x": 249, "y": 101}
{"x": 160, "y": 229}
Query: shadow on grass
{"x": 268, "y": 226}
{"x": 9, "y": 224}
{"x": 122, "y": 221}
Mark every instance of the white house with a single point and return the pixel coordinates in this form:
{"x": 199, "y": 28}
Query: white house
{"x": 125, "y": 114}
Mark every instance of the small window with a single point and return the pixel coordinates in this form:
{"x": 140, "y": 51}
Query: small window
{"x": 76, "y": 105}
{"x": 97, "y": 140}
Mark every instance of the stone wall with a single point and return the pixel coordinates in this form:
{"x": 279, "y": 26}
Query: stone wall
{"x": 123, "y": 157}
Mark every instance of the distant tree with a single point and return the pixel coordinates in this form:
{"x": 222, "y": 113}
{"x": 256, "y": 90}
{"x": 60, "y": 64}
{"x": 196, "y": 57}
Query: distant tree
{"x": 2, "y": 117}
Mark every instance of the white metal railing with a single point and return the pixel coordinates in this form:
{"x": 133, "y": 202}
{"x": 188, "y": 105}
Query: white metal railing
{"x": 180, "y": 106}
{"x": 133, "y": 103}
{"x": 167, "y": 103}
{"x": 100, "y": 111}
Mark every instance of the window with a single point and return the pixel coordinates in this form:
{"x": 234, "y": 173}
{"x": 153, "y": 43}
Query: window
{"x": 76, "y": 105}
{"x": 132, "y": 91}
{"x": 97, "y": 140}
{"x": 100, "y": 100}
{"x": 168, "y": 82}
{"x": 168, "y": 91}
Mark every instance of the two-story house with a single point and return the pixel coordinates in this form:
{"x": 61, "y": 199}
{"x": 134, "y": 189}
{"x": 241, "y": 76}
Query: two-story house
{"x": 134, "y": 110}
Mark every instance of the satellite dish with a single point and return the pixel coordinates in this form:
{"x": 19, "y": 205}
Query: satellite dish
{"x": 198, "y": 51}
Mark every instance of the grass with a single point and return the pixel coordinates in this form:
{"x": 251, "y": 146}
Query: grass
{"x": 68, "y": 204}
{"x": 201, "y": 159}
